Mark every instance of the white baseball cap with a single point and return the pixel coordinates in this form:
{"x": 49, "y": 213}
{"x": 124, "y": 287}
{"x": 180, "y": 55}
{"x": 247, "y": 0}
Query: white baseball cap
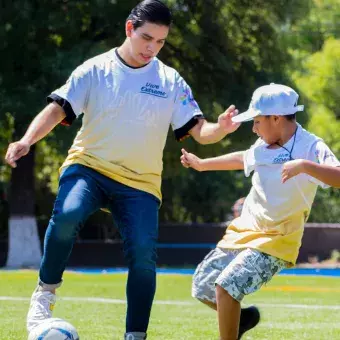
{"x": 273, "y": 99}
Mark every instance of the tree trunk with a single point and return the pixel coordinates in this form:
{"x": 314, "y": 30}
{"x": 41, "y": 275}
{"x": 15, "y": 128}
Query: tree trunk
{"x": 24, "y": 250}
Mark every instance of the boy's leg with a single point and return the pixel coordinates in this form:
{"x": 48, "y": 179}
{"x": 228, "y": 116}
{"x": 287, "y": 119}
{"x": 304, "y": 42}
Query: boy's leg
{"x": 203, "y": 287}
{"x": 136, "y": 215}
{"x": 78, "y": 197}
{"x": 249, "y": 317}
{"x": 245, "y": 274}
{"x": 228, "y": 311}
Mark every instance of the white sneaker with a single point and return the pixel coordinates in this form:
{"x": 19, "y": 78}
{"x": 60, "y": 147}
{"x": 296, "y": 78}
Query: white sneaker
{"x": 41, "y": 308}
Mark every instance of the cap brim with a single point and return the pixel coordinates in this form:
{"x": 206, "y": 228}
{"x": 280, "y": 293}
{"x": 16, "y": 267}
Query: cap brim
{"x": 245, "y": 116}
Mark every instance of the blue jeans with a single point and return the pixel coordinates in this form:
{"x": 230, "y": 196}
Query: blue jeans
{"x": 82, "y": 191}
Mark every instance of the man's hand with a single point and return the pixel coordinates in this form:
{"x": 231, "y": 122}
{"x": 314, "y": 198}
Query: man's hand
{"x": 225, "y": 122}
{"x": 189, "y": 160}
{"x": 291, "y": 169}
{"x": 15, "y": 151}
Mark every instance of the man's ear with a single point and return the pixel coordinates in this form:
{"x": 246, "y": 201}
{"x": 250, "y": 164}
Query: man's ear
{"x": 128, "y": 28}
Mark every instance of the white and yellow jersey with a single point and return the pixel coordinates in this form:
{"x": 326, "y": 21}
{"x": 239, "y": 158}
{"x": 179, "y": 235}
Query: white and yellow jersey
{"x": 127, "y": 115}
{"x": 274, "y": 213}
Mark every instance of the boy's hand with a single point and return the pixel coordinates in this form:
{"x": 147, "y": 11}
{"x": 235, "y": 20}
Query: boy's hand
{"x": 225, "y": 122}
{"x": 189, "y": 160}
{"x": 291, "y": 169}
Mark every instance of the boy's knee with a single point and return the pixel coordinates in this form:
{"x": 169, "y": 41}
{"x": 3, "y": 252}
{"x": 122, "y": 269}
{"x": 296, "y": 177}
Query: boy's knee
{"x": 223, "y": 295}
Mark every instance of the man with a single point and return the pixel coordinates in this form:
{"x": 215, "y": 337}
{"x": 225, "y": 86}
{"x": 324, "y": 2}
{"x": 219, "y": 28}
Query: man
{"x": 289, "y": 163}
{"x": 129, "y": 99}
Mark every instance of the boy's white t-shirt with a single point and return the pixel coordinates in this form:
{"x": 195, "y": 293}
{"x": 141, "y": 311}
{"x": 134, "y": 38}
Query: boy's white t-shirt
{"x": 274, "y": 213}
{"x": 127, "y": 114}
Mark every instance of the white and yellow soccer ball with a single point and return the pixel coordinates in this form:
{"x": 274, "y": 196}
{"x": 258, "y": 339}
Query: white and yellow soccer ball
{"x": 54, "y": 329}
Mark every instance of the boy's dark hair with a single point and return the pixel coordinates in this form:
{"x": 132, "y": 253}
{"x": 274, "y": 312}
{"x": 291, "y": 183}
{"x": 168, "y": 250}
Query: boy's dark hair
{"x": 288, "y": 117}
{"x": 153, "y": 11}
{"x": 291, "y": 117}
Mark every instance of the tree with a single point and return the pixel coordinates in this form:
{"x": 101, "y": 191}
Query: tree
{"x": 308, "y": 34}
{"x": 313, "y": 43}
{"x": 322, "y": 70}
{"x": 223, "y": 49}
{"x": 40, "y": 43}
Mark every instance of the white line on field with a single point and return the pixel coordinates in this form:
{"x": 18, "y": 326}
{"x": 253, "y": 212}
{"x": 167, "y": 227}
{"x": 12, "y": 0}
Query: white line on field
{"x": 279, "y": 305}
{"x": 99, "y": 300}
{"x": 178, "y": 303}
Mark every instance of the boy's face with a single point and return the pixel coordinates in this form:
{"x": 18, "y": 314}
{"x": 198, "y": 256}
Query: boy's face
{"x": 145, "y": 42}
{"x": 267, "y": 128}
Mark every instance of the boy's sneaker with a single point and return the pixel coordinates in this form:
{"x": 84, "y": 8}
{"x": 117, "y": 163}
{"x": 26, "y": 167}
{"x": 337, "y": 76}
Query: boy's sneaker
{"x": 41, "y": 307}
{"x": 250, "y": 317}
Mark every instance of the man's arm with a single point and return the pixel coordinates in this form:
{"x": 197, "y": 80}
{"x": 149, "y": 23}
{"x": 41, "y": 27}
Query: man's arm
{"x": 231, "y": 161}
{"x": 208, "y": 133}
{"x": 41, "y": 125}
{"x": 327, "y": 174}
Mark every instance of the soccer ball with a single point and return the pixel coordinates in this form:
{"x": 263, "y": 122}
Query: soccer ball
{"x": 54, "y": 329}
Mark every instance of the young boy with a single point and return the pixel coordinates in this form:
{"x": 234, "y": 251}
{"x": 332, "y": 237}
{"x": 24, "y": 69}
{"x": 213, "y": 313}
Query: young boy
{"x": 289, "y": 163}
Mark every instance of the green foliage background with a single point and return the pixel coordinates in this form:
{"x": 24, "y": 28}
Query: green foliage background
{"x": 224, "y": 49}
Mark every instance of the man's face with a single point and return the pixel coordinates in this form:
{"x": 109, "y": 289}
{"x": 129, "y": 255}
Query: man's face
{"x": 145, "y": 41}
{"x": 267, "y": 128}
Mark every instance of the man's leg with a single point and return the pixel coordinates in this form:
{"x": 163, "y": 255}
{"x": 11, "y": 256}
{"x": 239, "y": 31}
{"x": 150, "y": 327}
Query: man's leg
{"x": 136, "y": 214}
{"x": 78, "y": 197}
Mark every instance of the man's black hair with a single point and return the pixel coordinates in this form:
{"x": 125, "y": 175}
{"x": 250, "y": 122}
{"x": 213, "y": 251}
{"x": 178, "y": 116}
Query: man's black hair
{"x": 153, "y": 11}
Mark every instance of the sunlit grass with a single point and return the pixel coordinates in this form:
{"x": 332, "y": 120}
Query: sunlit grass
{"x": 292, "y": 308}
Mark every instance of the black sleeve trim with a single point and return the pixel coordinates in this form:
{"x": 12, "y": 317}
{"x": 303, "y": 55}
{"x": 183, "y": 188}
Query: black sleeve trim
{"x": 183, "y": 131}
{"x": 66, "y": 106}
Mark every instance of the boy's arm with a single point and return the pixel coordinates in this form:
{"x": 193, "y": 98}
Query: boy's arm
{"x": 231, "y": 161}
{"x": 327, "y": 174}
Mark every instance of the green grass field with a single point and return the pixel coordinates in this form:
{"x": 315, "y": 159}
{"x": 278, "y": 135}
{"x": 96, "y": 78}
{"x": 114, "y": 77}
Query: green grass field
{"x": 293, "y": 307}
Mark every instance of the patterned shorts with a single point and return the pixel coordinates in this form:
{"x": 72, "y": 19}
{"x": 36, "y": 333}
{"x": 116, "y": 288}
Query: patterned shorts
{"x": 239, "y": 272}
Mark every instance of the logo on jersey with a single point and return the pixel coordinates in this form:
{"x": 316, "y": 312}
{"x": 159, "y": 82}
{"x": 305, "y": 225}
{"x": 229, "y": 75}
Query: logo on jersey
{"x": 281, "y": 158}
{"x": 327, "y": 154}
{"x": 187, "y": 98}
{"x": 153, "y": 90}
